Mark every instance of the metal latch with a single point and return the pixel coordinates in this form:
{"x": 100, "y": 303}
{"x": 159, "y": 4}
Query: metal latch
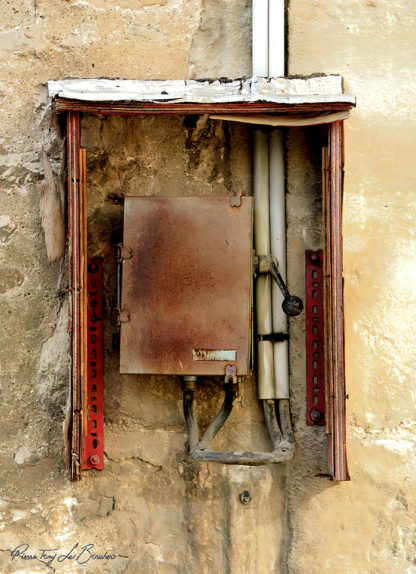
{"x": 123, "y": 316}
{"x": 235, "y": 200}
{"x": 122, "y": 254}
{"x": 125, "y": 253}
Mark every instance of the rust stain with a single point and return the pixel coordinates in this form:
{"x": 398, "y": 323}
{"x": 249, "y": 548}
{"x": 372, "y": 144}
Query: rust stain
{"x": 187, "y": 285}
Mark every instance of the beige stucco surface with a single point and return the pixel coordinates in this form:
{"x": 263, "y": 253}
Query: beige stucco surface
{"x": 368, "y": 524}
{"x": 155, "y": 509}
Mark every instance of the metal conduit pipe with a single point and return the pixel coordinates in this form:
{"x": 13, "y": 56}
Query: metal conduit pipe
{"x": 283, "y": 454}
{"x": 202, "y": 451}
{"x": 276, "y": 36}
{"x": 260, "y": 18}
{"x": 274, "y": 30}
{"x": 262, "y": 247}
{"x": 222, "y": 416}
{"x": 272, "y": 27}
{"x": 285, "y": 423}
{"x": 269, "y": 408}
{"x": 269, "y": 238}
{"x": 189, "y": 386}
{"x": 278, "y": 250}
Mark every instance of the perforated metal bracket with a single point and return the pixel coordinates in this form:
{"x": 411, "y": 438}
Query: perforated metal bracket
{"x": 315, "y": 357}
{"x": 93, "y": 442}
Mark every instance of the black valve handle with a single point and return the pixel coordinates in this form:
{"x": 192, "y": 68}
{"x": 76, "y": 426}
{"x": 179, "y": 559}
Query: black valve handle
{"x": 291, "y": 305}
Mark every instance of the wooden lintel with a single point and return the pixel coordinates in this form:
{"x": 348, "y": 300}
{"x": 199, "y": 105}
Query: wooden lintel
{"x": 63, "y": 105}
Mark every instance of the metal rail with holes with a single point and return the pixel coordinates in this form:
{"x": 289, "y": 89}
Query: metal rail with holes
{"x": 93, "y": 445}
{"x": 315, "y": 356}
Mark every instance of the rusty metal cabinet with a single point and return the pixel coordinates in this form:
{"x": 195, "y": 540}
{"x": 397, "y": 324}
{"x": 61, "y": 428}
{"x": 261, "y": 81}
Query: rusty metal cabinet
{"x": 186, "y": 286}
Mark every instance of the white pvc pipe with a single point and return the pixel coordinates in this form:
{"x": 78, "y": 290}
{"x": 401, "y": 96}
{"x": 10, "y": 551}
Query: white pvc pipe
{"x": 269, "y": 204}
{"x": 261, "y": 193}
{"x": 278, "y": 249}
{"x": 276, "y": 33}
{"x": 262, "y": 247}
{"x": 260, "y": 37}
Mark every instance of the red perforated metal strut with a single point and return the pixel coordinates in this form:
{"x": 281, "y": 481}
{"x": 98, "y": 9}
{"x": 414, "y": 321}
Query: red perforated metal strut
{"x": 93, "y": 445}
{"x": 315, "y": 357}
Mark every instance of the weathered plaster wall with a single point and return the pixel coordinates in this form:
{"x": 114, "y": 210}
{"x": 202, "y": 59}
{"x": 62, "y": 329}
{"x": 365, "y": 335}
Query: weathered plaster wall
{"x": 196, "y": 519}
{"x": 368, "y": 524}
{"x": 151, "y": 507}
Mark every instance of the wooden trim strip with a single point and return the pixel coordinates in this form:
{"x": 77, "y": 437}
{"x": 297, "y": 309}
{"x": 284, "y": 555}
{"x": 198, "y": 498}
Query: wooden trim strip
{"x": 327, "y": 296}
{"x": 63, "y": 105}
{"x": 73, "y": 143}
{"x": 340, "y": 469}
{"x": 83, "y": 287}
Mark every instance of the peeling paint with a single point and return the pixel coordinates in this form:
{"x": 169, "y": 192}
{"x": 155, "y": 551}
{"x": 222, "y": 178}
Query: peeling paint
{"x": 211, "y": 355}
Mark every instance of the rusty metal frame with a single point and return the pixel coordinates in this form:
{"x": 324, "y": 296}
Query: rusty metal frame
{"x": 77, "y": 277}
{"x": 74, "y": 278}
{"x": 332, "y": 219}
{"x": 333, "y": 171}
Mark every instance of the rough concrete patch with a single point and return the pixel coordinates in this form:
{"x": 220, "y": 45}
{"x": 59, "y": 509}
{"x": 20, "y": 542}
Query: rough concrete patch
{"x": 7, "y": 227}
{"x": 93, "y": 508}
{"x": 155, "y": 448}
{"x": 52, "y": 380}
{"x": 124, "y": 4}
{"x": 25, "y": 457}
{"x": 4, "y": 220}
{"x": 54, "y": 354}
{"x": 221, "y": 45}
{"x": 10, "y": 279}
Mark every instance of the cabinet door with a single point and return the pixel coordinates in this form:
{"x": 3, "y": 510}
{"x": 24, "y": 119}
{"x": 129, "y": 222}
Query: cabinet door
{"x": 186, "y": 285}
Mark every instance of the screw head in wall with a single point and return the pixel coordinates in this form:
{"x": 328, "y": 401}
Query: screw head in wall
{"x": 95, "y": 459}
{"x": 245, "y": 497}
{"x": 315, "y": 415}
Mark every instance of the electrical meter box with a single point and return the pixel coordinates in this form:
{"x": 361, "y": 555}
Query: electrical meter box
{"x": 186, "y": 285}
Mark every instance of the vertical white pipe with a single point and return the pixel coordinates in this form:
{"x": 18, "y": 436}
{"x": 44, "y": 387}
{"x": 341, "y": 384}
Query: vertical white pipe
{"x": 262, "y": 246}
{"x": 276, "y": 35}
{"x": 277, "y": 201}
{"x": 278, "y": 249}
{"x": 270, "y": 219}
{"x": 260, "y": 39}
